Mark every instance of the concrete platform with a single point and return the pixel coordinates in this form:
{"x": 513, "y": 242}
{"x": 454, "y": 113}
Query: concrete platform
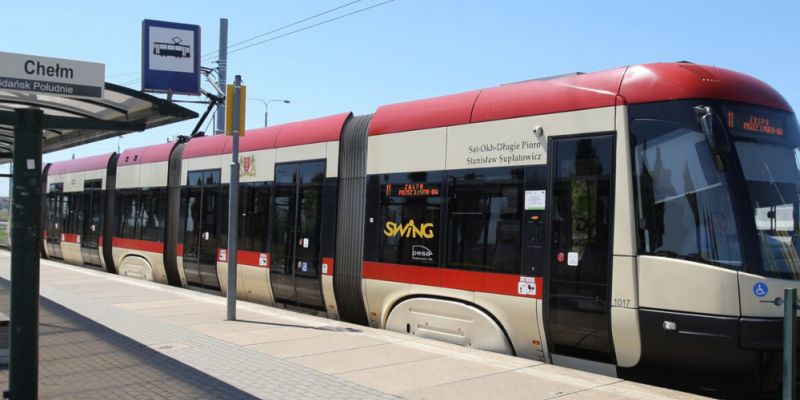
{"x": 280, "y": 354}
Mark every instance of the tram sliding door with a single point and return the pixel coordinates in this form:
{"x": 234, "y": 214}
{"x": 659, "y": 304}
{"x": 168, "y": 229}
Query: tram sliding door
{"x": 577, "y": 312}
{"x": 296, "y": 234}
{"x": 93, "y": 221}
{"x": 200, "y": 239}
{"x": 55, "y": 198}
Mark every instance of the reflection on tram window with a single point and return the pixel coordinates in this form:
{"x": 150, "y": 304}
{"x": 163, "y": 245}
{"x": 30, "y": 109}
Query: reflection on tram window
{"x": 253, "y": 216}
{"x": 153, "y": 210}
{"x": 128, "y": 201}
{"x": 141, "y": 214}
{"x": 773, "y": 183}
{"x": 485, "y": 220}
{"x": 410, "y": 207}
{"x": 682, "y": 199}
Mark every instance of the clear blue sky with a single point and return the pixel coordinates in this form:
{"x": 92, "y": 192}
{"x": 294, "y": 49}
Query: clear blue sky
{"x": 409, "y": 49}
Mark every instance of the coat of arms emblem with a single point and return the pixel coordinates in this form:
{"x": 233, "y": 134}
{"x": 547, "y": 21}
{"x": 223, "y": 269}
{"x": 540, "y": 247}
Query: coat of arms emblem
{"x": 247, "y": 165}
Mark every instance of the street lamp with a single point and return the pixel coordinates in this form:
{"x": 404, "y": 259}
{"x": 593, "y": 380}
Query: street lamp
{"x": 266, "y": 106}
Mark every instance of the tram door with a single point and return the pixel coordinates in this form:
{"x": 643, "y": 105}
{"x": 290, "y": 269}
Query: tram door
{"x": 202, "y": 218}
{"x": 577, "y": 309}
{"x": 54, "y": 219}
{"x": 296, "y": 234}
{"x": 92, "y": 221}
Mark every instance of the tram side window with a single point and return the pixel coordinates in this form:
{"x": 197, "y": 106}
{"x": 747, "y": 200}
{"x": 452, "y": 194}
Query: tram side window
{"x": 253, "y": 216}
{"x": 410, "y": 211}
{"x": 74, "y": 212}
{"x": 254, "y": 211}
{"x": 684, "y": 209}
{"x": 54, "y": 222}
{"x": 64, "y": 202}
{"x": 128, "y": 202}
{"x": 485, "y": 220}
{"x": 152, "y": 214}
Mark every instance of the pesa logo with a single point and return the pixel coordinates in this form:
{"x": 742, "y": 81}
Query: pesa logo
{"x": 421, "y": 253}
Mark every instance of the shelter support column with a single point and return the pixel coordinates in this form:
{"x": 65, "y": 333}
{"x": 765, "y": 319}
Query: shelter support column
{"x": 26, "y": 240}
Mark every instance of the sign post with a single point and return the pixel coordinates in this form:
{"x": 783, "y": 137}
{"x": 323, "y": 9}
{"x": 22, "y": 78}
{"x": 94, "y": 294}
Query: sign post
{"x": 235, "y": 119}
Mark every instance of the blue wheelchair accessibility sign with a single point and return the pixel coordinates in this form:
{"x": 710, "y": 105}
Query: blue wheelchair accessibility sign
{"x": 760, "y": 289}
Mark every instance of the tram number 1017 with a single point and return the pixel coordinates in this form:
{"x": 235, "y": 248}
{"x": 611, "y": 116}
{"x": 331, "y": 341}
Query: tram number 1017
{"x": 622, "y": 302}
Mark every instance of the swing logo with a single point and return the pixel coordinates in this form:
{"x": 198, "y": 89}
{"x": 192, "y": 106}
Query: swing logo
{"x": 409, "y": 230}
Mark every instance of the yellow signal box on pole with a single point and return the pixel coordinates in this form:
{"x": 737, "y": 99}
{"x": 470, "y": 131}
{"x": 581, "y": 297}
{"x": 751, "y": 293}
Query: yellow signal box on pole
{"x": 231, "y": 105}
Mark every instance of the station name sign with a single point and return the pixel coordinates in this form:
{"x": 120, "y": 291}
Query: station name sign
{"x": 58, "y": 76}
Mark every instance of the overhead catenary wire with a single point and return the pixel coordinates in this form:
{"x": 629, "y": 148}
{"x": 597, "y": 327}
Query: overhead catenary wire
{"x": 214, "y": 53}
{"x": 311, "y": 26}
{"x": 360, "y": 10}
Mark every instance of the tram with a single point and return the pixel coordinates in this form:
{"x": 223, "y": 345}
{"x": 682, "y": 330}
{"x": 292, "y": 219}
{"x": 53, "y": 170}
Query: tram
{"x": 638, "y": 222}
{"x": 175, "y": 49}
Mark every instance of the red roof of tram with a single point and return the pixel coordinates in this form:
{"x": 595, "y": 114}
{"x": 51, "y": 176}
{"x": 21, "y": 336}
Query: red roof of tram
{"x": 146, "y": 154}
{"x": 318, "y": 130}
{"x": 636, "y": 84}
{"x": 80, "y": 164}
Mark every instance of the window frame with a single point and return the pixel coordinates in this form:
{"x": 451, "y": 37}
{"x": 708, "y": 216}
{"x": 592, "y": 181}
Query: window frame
{"x": 488, "y": 182}
{"x": 436, "y": 218}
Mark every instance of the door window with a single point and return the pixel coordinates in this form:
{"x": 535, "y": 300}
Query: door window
{"x": 578, "y": 307}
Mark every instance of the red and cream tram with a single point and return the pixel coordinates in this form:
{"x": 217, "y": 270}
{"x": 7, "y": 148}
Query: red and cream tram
{"x": 638, "y": 222}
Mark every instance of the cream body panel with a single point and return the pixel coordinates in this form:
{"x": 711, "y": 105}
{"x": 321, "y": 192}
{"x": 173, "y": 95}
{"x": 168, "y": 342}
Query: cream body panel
{"x": 222, "y": 275}
{"x": 448, "y": 321}
{"x": 256, "y": 280}
{"x": 102, "y": 258}
{"x": 542, "y": 333}
{"x": 380, "y": 296}
{"x": 625, "y": 330}
{"x": 153, "y": 174}
{"x": 94, "y": 175}
{"x": 51, "y": 179}
{"x": 314, "y": 151}
{"x": 421, "y": 290}
{"x": 624, "y": 283}
{"x": 128, "y": 176}
{"x": 136, "y": 266}
{"x": 495, "y": 144}
{"x": 422, "y": 150}
{"x": 461, "y": 324}
{"x": 625, "y": 333}
{"x": 764, "y": 306}
{"x": 264, "y": 166}
{"x": 205, "y": 163}
{"x": 72, "y": 252}
{"x": 500, "y": 140}
{"x": 181, "y": 273}
{"x": 73, "y": 182}
{"x": 328, "y": 297}
{"x": 139, "y": 263}
{"x": 518, "y": 315}
{"x": 332, "y": 160}
{"x": 624, "y": 227}
{"x": 679, "y": 285}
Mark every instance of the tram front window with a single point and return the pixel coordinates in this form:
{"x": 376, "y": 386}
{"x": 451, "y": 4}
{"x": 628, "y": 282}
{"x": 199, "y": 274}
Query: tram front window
{"x": 683, "y": 202}
{"x": 772, "y": 176}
